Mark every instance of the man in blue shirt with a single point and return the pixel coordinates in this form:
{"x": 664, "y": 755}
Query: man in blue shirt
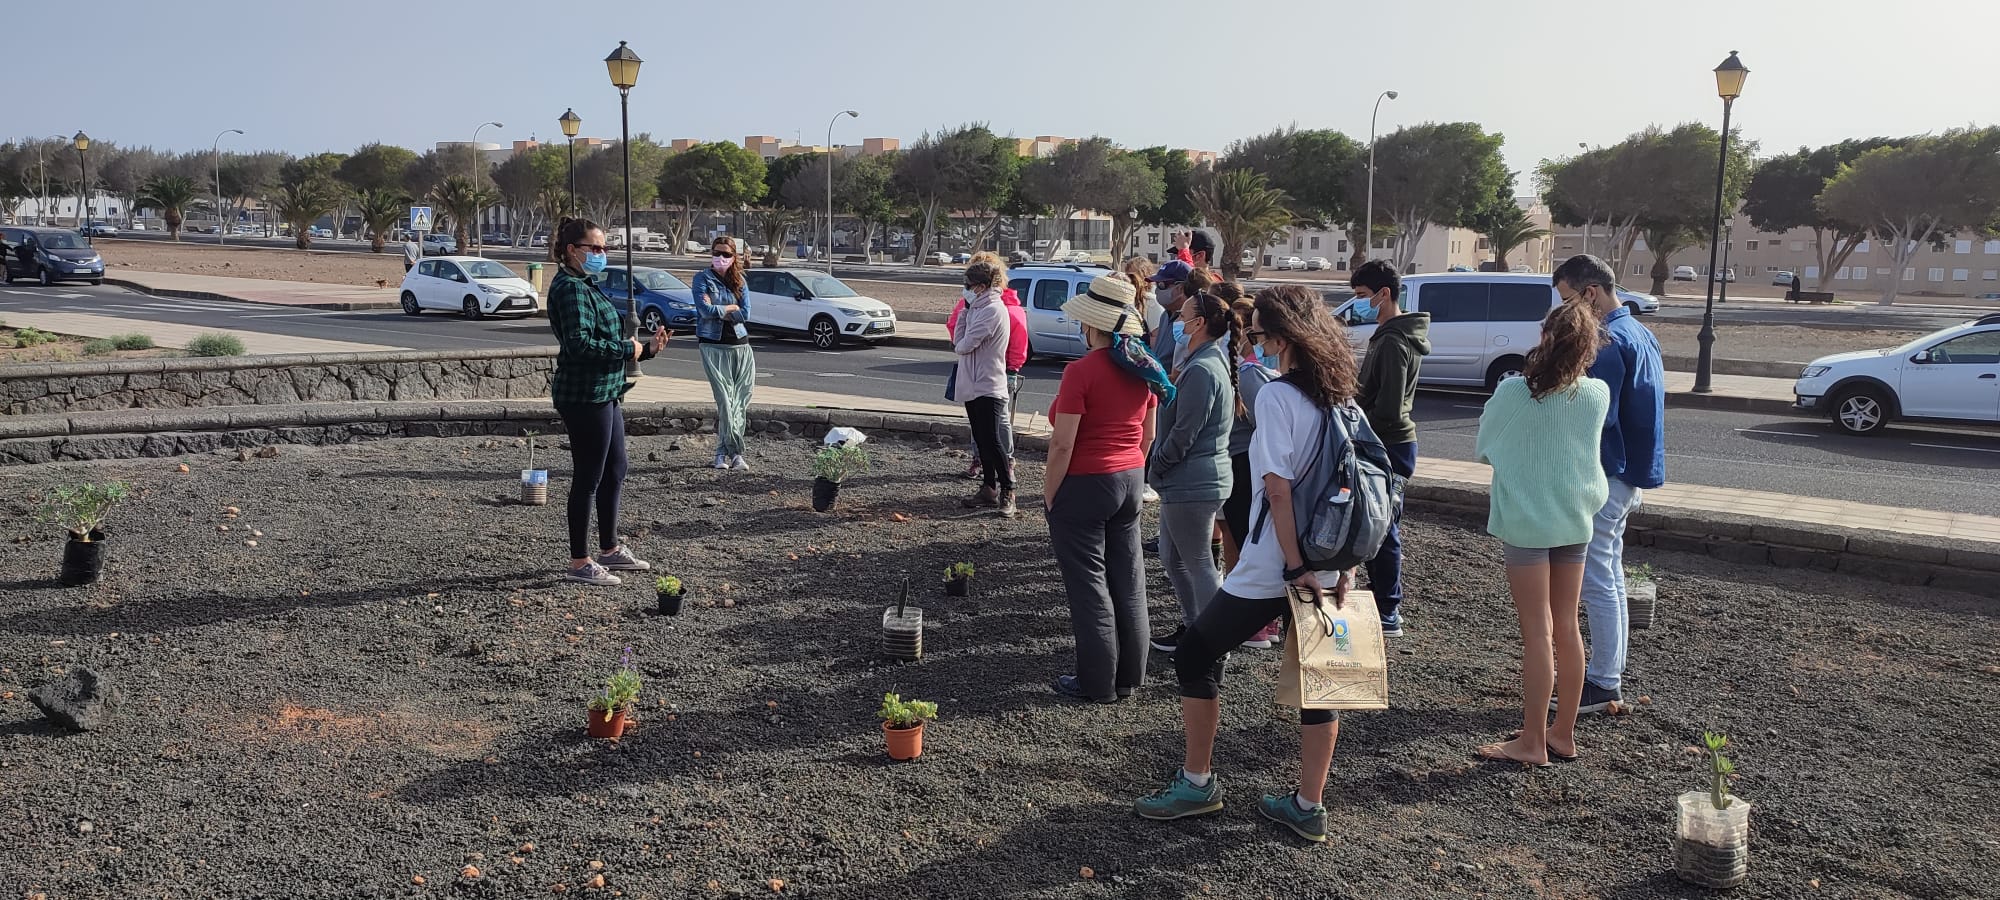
{"x": 1634, "y": 455}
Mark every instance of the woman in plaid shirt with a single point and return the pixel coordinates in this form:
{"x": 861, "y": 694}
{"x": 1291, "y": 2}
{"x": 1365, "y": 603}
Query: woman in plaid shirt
{"x": 588, "y": 384}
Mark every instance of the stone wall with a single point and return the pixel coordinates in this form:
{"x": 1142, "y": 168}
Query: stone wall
{"x": 273, "y": 380}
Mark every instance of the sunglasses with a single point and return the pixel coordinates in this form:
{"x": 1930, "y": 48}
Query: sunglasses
{"x": 592, "y": 248}
{"x": 724, "y": 254}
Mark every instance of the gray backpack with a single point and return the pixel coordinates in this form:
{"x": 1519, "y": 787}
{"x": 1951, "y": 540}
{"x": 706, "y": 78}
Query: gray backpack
{"x": 1346, "y": 498}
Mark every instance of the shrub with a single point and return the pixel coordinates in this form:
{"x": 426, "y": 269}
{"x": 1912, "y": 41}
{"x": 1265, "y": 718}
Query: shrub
{"x": 619, "y": 690}
{"x": 30, "y": 337}
{"x": 900, "y": 713}
{"x": 81, "y": 508}
{"x": 958, "y": 570}
{"x": 834, "y": 463}
{"x": 667, "y": 584}
{"x": 132, "y": 341}
{"x": 215, "y": 345}
{"x": 98, "y": 347}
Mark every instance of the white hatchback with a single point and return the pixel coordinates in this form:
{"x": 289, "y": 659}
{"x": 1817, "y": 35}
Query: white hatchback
{"x": 1948, "y": 376}
{"x": 815, "y": 305}
{"x": 468, "y": 285}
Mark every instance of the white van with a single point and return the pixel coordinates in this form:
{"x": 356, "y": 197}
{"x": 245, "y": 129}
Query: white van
{"x": 1043, "y": 289}
{"x": 1482, "y": 323}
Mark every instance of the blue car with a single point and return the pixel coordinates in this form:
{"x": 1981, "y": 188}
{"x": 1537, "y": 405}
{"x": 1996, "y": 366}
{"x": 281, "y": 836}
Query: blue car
{"x": 664, "y": 300}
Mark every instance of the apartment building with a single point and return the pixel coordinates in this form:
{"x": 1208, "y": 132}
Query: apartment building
{"x": 1441, "y": 249}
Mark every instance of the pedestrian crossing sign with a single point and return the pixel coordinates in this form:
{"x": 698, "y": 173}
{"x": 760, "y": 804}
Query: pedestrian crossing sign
{"x": 420, "y": 218}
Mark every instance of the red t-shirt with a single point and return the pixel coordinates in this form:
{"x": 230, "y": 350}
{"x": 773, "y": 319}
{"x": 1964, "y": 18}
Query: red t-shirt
{"x": 1111, "y": 436}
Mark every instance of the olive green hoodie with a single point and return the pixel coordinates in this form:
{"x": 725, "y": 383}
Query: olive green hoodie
{"x": 1389, "y": 375}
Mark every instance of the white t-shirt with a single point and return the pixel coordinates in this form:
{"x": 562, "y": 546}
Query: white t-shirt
{"x": 1288, "y": 429}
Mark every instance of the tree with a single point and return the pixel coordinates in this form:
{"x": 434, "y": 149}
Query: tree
{"x": 380, "y": 208}
{"x": 713, "y": 175}
{"x": 1435, "y": 174}
{"x": 861, "y": 187}
{"x": 424, "y": 175}
{"x": 300, "y": 203}
{"x": 1316, "y": 168}
{"x": 458, "y": 198}
{"x": 1066, "y": 181}
{"x": 518, "y": 184}
{"x": 1922, "y": 191}
{"x": 325, "y": 168}
{"x": 957, "y": 169}
{"x": 16, "y": 174}
{"x": 375, "y": 167}
{"x": 1177, "y": 171}
{"x": 1784, "y": 194}
{"x": 1129, "y": 184}
{"x": 127, "y": 172}
{"x": 1246, "y": 210}
{"x": 1506, "y": 226}
{"x": 600, "y": 179}
{"x": 247, "y": 176}
{"x": 171, "y": 195}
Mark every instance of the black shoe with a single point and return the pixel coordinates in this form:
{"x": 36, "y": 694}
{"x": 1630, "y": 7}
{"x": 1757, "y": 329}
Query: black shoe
{"x": 1151, "y": 545}
{"x": 1596, "y": 700}
{"x": 1171, "y": 642}
{"x": 1069, "y": 686}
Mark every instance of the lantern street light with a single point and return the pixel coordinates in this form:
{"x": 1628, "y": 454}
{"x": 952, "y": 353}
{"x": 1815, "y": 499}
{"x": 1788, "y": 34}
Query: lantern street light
{"x": 82, "y": 144}
{"x": 623, "y": 67}
{"x": 571, "y": 123}
{"x": 1729, "y": 78}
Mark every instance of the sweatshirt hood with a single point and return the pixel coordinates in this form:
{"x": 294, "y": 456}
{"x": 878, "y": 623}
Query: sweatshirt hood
{"x": 1413, "y": 328}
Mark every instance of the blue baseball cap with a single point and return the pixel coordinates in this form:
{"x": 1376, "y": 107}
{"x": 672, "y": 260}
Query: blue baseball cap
{"x": 1173, "y": 272}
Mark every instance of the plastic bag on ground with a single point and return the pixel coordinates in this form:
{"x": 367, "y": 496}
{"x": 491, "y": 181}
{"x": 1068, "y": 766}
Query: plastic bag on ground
{"x": 845, "y": 435}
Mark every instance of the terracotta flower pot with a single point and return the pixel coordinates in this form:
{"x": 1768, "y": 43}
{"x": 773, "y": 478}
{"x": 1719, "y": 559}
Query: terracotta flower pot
{"x": 904, "y": 743}
{"x": 598, "y": 726}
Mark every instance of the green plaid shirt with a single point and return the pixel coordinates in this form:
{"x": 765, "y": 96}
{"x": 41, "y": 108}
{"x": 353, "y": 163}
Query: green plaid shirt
{"x": 590, "y": 367}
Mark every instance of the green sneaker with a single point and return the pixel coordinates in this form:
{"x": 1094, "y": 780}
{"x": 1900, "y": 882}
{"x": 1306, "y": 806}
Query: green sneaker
{"x": 1181, "y": 799}
{"x": 1284, "y": 810}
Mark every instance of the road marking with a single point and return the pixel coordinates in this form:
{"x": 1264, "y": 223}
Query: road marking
{"x": 1465, "y": 406}
{"x": 1952, "y": 447}
{"x": 296, "y": 315}
{"x": 1778, "y": 433}
{"x": 904, "y": 359}
{"x": 834, "y": 374}
{"x": 827, "y": 352}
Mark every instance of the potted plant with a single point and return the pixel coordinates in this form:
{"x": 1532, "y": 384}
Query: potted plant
{"x": 608, "y": 710}
{"x": 903, "y": 628}
{"x": 1642, "y": 594}
{"x": 80, "y": 509}
{"x": 903, "y": 725}
{"x": 671, "y": 594}
{"x": 830, "y": 466}
{"x": 957, "y": 579}
{"x": 534, "y": 482}
{"x": 1712, "y": 843}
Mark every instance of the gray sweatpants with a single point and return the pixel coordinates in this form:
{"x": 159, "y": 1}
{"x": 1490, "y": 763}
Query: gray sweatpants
{"x": 1187, "y": 552}
{"x": 732, "y": 372}
{"x": 1095, "y": 532}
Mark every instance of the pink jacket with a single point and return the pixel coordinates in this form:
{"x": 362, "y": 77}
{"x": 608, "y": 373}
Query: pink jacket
{"x": 1017, "y": 337}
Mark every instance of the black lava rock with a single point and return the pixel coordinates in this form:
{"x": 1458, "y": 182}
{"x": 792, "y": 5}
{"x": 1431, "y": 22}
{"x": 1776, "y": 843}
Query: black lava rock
{"x": 81, "y": 702}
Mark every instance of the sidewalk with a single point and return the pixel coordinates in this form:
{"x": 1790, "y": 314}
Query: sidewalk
{"x": 298, "y": 294}
{"x": 167, "y": 334}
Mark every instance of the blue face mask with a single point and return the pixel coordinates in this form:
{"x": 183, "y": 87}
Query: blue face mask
{"x": 1267, "y": 360}
{"x": 1364, "y": 310}
{"x": 594, "y": 263}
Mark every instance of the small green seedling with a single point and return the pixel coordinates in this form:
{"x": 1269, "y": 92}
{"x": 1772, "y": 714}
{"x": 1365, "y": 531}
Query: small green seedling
{"x": 958, "y": 570}
{"x": 900, "y": 713}
{"x": 531, "y": 449}
{"x": 81, "y": 508}
{"x": 619, "y": 690}
{"x": 1721, "y": 769}
{"x": 1641, "y": 572}
{"x": 835, "y": 462}
{"x": 667, "y": 584}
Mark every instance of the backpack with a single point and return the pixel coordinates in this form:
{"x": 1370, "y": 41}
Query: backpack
{"x": 1136, "y": 359}
{"x": 1346, "y": 498}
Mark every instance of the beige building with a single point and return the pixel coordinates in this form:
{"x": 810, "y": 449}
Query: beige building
{"x": 1440, "y": 249}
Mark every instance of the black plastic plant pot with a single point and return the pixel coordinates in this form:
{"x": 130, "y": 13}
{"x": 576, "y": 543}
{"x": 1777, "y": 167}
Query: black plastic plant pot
{"x": 958, "y": 587}
{"x": 670, "y": 604}
{"x": 83, "y": 561}
{"x": 824, "y": 493}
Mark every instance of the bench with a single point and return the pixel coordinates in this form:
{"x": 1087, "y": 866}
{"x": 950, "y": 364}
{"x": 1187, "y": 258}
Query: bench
{"x": 853, "y": 258}
{"x": 1795, "y": 295}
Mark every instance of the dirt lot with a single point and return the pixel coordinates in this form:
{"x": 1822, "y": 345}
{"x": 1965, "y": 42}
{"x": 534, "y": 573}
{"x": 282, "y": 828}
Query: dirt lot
{"x": 19, "y": 346}
{"x": 1779, "y": 343}
{"x": 391, "y": 687}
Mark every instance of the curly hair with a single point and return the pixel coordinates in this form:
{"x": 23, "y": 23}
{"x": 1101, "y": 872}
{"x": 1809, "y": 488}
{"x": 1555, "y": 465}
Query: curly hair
{"x": 1570, "y": 338}
{"x": 999, "y": 266}
{"x": 1322, "y": 364}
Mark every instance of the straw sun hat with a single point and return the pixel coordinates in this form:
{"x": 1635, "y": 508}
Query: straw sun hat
{"x": 1100, "y": 306}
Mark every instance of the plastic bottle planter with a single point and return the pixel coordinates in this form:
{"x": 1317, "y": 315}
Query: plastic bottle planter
{"x": 601, "y": 726}
{"x": 904, "y": 743}
{"x": 824, "y": 494}
{"x": 535, "y": 487}
{"x": 903, "y": 632}
{"x": 1712, "y": 846}
{"x": 958, "y": 587}
{"x": 82, "y": 561}
{"x": 1641, "y": 598}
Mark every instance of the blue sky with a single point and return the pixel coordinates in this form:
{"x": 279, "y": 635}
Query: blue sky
{"x": 329, "y": 75}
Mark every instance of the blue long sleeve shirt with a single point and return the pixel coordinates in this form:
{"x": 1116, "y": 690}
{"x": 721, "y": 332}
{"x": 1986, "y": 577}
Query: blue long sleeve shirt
{"x": 1634, "y": 448}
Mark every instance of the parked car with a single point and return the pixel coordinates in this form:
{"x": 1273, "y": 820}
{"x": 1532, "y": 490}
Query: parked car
{"x": 319, "y": 232}
{"x": 1020, "y": 258}
{"x": 1638, "y": 303}
{"x": 1459, "y": 269}
{"x": 136, "y": 226}
{"x": 1043, "y": 289}
{"x": 812, "y": 304}
{"x": 1684, "y": 273}
{"x": 961, "y": 258}
{"x": 474, "y": 287}
{"x": 937, "y": 258}
{"x": 1318, "y": 264}
{"x": 1783, "y": 279}
{"x": 1079, "y": 257}
{"x": 1482, "y": 323}
{"x": 100, "y": 229}
{"x": 652, "y": 243}
{"x": 1726, "y": 276}
{"x": 541, "y": 240}
{"x": 496, "y": 239}
{"x": 439, "y": 242}
{"x": 1951, "y": 375}
{"x": 663, "y": 299}
{"x": 1287, "y": 263}
{"x": 49, "y": 255}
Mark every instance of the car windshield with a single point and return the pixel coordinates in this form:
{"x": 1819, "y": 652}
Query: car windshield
{"x": 62, "y": 240}
{"x": 657, "y": 280}
{"x": 1935, "y": 337}
{"x": 824, "y": 285}
{"x": 486, "y": 268}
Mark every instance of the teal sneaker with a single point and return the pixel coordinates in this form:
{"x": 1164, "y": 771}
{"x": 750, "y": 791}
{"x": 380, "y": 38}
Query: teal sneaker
{"x": 1181, "y": 799}
{"x": 1284, "y": 810}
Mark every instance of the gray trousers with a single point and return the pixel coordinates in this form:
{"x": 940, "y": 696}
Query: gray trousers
{"x": 1095, "y": 532}
{"x": 732, "y": 372}
{"x": 1187, "y": 536}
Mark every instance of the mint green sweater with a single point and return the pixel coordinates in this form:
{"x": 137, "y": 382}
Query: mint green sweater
{"x": 1547, "y": 482}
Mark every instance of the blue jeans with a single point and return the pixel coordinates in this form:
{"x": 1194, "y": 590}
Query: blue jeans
{"x": 1604, "y": 586}
{"x": 1385, "y": 571}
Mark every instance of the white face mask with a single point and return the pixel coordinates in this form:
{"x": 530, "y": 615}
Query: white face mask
{"x": 968, "y": 294}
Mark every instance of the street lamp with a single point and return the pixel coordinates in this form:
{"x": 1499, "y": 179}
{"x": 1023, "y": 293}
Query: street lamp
{"x": 1729, "y": 79}
{"x": 82, "y": 144}
{"x": 1368, "y": 229}
{"x": 623, "y": 67}
{"x": 221, "y": 229}
{"x": 571, "y": 122}
{"x": 472, "y": 228}
{"x": 1586, "y": 219}
{"x": 42, "y": 203}
{"x": 829, "y": 184}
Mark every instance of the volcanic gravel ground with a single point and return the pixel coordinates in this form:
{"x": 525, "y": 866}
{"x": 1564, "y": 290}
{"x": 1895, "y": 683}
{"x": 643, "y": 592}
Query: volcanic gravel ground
{"x": 390, "y": 687}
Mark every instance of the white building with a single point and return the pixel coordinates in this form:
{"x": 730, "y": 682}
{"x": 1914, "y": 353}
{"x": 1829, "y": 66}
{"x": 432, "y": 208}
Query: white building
{"x": 1440, "y": 249}
{"x": 60, "y": 210}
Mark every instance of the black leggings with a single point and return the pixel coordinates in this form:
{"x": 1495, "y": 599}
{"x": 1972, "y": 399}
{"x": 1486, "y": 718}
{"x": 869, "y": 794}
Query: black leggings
{"x": 597, "y": 453}
{"x": 1236, "y": 509}
{"x": 990, "y": 432}
{"x": 1226, "y": 622}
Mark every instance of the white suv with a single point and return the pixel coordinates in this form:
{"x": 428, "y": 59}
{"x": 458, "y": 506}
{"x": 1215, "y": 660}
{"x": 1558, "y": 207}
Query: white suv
{"x": 1951, "y": 375}
{"x": 813, "y": 304}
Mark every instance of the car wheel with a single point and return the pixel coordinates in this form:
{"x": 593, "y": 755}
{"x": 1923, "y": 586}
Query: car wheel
{"x": 1861, "y": 411}
{"x": 652, "y": 320}
{"x": 1503, "y": 368}
{"x": 1633, "y": 308}
{"x": 825, "y": 334}
{"x": 410, "y": 307}
{"x": 471, "y": 308}
{"x": 43, "y": 276}
{"x": 97, "y": 282}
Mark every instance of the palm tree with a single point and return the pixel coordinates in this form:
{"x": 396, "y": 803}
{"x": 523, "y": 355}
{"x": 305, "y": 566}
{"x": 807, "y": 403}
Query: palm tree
{"x": 1511, "y": 228}
{"x": 775, "y": 222}
{"x": 301, "y": 203}
{"x": 462, "y": 201}
{"x": 380, "y": 209}
{"x": 1244, "y": 207}
{"x": 1665, "y": 241}
{"x": 170, "y": 194}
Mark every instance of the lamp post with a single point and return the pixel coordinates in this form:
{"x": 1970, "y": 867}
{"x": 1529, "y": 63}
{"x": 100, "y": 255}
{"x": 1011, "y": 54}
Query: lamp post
{"x": 571, "y": 122}
{"x": 472, "y": 227}
{"x": 1729, "y": 78}
{"x": 623, "y": 66}
{"x": 1586, "y": 219}
{"x": 1368, "y": 218}
{"x": 1728, "y": 237}
{"x": 829, "y": 184}
{"x": 221, "y": 230}
{"x": 82, "y": 144}
{"x": 42, "y": 204}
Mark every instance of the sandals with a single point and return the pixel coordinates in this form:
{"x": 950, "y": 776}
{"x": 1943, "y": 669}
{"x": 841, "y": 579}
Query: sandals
{"x": 1498, "y": 753}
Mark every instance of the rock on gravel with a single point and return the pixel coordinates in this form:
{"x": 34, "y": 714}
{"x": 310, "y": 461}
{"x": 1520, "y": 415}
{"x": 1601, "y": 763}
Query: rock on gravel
{"x": 82, "y": 701}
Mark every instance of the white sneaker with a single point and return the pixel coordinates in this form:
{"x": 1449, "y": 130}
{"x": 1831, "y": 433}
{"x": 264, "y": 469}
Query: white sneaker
{"x": 738, "y": 463}
{"x": 721, "y": 461}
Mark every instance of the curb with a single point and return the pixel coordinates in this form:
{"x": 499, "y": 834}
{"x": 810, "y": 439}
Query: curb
{"x": 1966, "y": 566}
{"x": 337, "y": 306}
{"x": 1678, "y": 399}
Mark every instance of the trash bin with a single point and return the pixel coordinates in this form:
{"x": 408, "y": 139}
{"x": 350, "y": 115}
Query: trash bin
{"x": 535, "y": 277}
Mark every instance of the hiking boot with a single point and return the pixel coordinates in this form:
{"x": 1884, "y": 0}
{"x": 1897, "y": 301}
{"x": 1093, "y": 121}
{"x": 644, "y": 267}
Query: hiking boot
{"x": 1171, "y": 642}
{"x": 620, "y": 559}
{"x": 987, "y": 498}
{"x": 1007, "y": 509}
{"x": 1150, "y": 496}
{"x": 1284, "y": 810}
{"x": 592, "y": 573}
{"x": 1181, "y": 799}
